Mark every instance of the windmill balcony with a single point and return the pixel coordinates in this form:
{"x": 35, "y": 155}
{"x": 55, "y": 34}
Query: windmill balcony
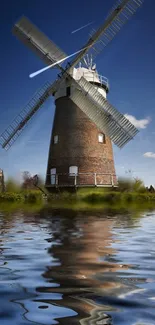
{"x": 96, "y": 78}
{"x": 81, "y": 180}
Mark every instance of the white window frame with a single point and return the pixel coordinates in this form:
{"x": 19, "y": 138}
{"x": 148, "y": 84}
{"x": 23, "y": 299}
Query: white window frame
{"x": 56, "y": 138}
{"x": 101, "y": 138}
{"x": 73, "y": 170}
{"x": 53, "y": 176}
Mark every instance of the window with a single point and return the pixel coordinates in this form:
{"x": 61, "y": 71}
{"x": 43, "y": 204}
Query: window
{"x": 101, "y": 138}
{"x": 53, "y": 176}
{"x": 73, "y": 171}
{"x": 68, "y": 91}
{"x": 55, "y": 139}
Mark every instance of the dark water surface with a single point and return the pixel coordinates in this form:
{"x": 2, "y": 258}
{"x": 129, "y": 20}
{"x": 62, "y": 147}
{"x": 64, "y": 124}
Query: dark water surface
{"x": 77, "y": 268}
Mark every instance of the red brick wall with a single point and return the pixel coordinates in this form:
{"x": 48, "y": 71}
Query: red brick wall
{"x": 78, "y": 143}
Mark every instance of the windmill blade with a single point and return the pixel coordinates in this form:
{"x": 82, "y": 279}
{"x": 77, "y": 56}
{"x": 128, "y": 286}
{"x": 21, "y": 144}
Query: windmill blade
{"x": 102, "y": 113}
{"x": 114, "y": 22}
{"x": 116, "y": 25}
{"x": 31, "y": 36}
{"x": 9, "y": 136}
{"x": 53, "y": 64}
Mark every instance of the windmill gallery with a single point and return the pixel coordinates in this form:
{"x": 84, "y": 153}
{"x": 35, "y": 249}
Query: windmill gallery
{"x": 85, "y": 123}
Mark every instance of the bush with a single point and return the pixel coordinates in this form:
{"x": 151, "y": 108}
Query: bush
{"x": 12, "y": 186}
{"x": 109, "y": 197}
{"x": 138, "y": 186}
{"x": 128, "y": 197}
{"x": 11, "y": 197}
{"x": 125, "y": 185}
{"x": 131, "y": 185}
{"x": 32, "y": 196}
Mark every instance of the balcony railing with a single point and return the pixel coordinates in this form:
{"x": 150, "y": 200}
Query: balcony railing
{"x": 92, "y": 77}
{"x": 81, "y": 180}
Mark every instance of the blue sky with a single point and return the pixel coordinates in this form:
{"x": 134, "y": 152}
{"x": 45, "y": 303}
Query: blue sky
{"x": 128, "y": 62}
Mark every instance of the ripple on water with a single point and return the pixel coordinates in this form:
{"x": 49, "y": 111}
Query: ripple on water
{"x": 79, "y": 270}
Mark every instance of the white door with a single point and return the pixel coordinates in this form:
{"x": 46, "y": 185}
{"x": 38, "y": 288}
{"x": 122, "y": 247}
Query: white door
{"x": 53, "y": 176}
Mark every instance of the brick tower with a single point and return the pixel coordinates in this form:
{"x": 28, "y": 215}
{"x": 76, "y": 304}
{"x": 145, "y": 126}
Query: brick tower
{"x": 80, "y": 154}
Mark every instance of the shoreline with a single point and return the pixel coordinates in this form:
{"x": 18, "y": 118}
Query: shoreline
{"x": 81, "y": 201}
{"x": 87, "y": 196}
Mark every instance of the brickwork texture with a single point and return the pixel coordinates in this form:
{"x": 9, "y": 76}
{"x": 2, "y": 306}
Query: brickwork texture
{"x": 78, "y": 145}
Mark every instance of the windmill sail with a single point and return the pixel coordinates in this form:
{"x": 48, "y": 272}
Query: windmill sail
{"x": 9, "y": 136}
{"x": 102, "y": 113}
{"x": 91, "y": 102}
{"x": 31, "y": 36}
{"x": 114, "y": 22}
{"x": 123, "y": 15}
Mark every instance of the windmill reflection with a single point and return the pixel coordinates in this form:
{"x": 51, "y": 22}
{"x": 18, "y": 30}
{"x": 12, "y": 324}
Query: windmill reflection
{"x": 82, "y": 264}
{"x": 82, "y": 252}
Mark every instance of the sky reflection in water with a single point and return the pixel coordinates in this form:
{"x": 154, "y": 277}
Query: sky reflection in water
{"x": 76, "y": 268}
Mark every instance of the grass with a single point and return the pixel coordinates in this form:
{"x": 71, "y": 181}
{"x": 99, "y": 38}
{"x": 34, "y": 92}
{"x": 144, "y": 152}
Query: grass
{"x": 128, "y": 193}
{"x": 117, "y": 197}
{"x": 85, "y": 201}
{"x": 83, "y": 195}
{"x": 32, "y": 196}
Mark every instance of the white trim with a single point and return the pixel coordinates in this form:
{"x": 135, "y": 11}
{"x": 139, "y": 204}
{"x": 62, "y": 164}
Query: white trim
{"x": 56, "y": 139}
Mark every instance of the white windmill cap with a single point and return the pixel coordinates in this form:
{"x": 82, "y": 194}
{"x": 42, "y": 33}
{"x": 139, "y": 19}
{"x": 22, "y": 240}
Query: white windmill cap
{"x": 88, "y": 74}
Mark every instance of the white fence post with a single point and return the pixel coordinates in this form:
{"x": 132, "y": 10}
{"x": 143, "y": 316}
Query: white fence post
{"x": 95, "y": 179}
{"x": 75, "y": 180}
{"x": 112, "y": 180}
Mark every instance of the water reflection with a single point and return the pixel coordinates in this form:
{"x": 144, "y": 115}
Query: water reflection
{"x": 81, "y": 249}
{"x": 73, "y": 268}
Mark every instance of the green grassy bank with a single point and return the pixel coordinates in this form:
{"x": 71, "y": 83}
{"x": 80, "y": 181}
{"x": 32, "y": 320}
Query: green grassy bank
{"x": 114, "y": 197}
{"x": 127, "y": 192}
{"x": 23, "y": 196}
{"x": 91, "y": 196}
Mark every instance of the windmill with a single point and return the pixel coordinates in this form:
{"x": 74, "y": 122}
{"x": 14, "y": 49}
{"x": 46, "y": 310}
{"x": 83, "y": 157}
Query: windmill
{"x": 85, "y": 123}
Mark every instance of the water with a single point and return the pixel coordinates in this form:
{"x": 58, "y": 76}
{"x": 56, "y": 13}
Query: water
{"x": 77, "y": 268}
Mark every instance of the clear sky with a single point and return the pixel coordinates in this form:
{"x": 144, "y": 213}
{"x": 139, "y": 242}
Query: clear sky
{"x": 128, "y": 62}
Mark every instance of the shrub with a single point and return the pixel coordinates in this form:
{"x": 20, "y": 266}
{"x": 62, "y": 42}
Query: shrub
{"x": 131, "y": 185}
{"x": 11, "y": 197}
{"x": 138, "y": 186}
{"x": 125, "y": 185}
{"x": 12, "y": 186}
{"x": 128, "y": 197}
{"x": 109, "y": 197}
{"x": 32, "y": 196}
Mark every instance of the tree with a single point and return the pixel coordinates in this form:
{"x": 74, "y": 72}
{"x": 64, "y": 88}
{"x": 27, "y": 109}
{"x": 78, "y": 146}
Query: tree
{"x": 32, "y": 182}
{"x": 151, "y": 189}
{"x": 27, "y": 181}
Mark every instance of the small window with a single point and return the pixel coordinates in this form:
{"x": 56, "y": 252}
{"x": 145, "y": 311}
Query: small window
{"x": 55, "y": 139}
{"x": 53, "y": 176}
{"x": 68, "y": 91}
{"x": 101, "y": 138}
{"x": 73, "y": 171}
